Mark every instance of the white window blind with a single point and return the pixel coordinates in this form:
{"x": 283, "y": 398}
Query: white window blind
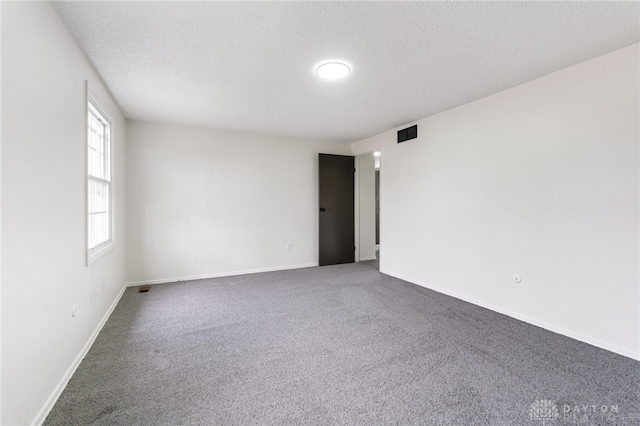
{"x": 98, "y": 179}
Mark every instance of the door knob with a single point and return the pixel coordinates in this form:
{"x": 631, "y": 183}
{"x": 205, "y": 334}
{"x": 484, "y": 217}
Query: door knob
{"x": 321, "y": 209}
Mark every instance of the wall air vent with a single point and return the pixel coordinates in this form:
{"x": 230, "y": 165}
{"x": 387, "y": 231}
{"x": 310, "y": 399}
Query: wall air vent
{"x": 408, "y": 133}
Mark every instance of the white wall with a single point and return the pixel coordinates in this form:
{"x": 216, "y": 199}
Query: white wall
{"x": 43, "y": 211}
{"x": 205, "y": 202}
{"x": 366, "y": 207}
{"x": 540, "y": 180}
{"x": 366, "y": 146}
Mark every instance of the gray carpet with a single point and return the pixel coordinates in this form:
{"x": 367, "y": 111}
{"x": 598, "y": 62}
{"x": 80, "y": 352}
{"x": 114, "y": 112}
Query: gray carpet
{"x": 336, "y": 345}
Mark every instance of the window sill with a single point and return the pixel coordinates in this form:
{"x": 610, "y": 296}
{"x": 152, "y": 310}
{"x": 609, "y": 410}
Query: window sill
{"x": 96, "y": 254}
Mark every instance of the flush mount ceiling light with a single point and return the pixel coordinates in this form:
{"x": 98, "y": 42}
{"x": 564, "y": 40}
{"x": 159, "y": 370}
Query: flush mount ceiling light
{"x": 333, "y": 70}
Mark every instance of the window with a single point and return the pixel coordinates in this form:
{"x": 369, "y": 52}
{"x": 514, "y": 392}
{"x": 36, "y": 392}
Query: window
{"x": 99, "y": 229}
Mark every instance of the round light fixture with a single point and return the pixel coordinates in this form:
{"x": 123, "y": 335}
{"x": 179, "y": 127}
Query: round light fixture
{"x": 333, "y": 70}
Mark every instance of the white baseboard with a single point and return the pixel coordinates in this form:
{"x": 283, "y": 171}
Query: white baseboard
{"x": 364, "y": 259}
{"x": 53, "y": 398}
{"x": 219, "y": 274}
{"x": 543, "y": 324}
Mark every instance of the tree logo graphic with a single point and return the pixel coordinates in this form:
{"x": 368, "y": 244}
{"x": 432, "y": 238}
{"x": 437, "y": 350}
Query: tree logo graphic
{"x": 543, "y": 410}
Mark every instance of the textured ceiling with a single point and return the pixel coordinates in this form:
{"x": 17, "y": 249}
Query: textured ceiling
{"x": 249, "y": 66}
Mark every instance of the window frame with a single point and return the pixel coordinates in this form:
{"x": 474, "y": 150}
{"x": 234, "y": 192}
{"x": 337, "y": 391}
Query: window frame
{"x": 93, "y": 107}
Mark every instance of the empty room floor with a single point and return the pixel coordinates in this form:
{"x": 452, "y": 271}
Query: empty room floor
{"x": 341, "y": 344}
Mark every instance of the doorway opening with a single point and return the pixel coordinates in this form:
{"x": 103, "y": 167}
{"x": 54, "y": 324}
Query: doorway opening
{"x": 367, "y": 218}
{"x": 376, "y": 155}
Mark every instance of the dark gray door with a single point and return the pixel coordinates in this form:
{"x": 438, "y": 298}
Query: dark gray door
{"x": 336, "y": 209}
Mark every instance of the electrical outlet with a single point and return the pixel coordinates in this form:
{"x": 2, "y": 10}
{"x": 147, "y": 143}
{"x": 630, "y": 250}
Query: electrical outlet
{"x": 289, "y": 247}
{"x": 74, "y": 311}
{"x": 104, "y": 279}
{"x": 517, "y": 278}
